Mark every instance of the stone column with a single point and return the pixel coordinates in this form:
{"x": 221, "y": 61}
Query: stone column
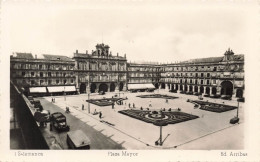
{"x": 210, "y": 90}
{"x": 218, "y": 90}
{"x": 108, "y": 87}
{"x": 193, "y": 88}
{"x": 204, "y": 90}
{"x": 117, "y": 88}
{"x": 166, "y": 87}
{"x": 170, "y": 86}
{"x": 183, "y": 87}
{"x": 234, "y": 92}
{"x": 124, "y": 88}
{"x": 198, "y": 89}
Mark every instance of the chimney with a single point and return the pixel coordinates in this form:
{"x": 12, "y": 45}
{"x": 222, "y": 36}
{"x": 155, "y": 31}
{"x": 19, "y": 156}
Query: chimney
{"x": 125, "y": 55}
{"x": 86, "y": 51}
{"x": 76, "y": 51}
{"x": 117, "y": 54}
{"x": 35, "y": 57}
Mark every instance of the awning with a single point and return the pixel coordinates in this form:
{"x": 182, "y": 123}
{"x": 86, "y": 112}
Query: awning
{"x": 140, "y": 86}
{"x": 37, "y": 89}
{"x": 61, "y": 89}
{"x": 70, "y": 89}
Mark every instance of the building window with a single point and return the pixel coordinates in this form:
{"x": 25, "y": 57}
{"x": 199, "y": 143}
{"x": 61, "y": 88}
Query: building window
{"x": 23, "y": 73}
{"x": 64, "y": 74}
{"x": 41, "y": 74}
{"x": 32, "y": 82}
{"x": 32, "y": 73}
{"x": 71, "y": 80}
{"x": 65, "y": 81}
{"x": 215, "y": 69}
{"x": 41, "y": 82}
{"x": 214, "y": 81}
{"x": 201, "y": 82}
{"x": 40, "y": 66}
{"x": 208, "y": 82}
{"x": 196, "y": 81}
{"x": 201, "y": 74}
{"x": 191, "y": 81}
{"x": 57, "y": 73}
{"x": 49, "y": 74}
{"x": 57, "y": 81}
{"x": 49, "y": 81}
{"x": 208, "y": 74}
{"x": 196, "y": 75}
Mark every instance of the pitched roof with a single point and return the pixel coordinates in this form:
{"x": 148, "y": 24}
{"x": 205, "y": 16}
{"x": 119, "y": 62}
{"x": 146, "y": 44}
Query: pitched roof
{"x": 56, "y": 57}
{"x": 23, "y": 55}
{"x": 204, "y": 60}
{"x": 239, "y": 57}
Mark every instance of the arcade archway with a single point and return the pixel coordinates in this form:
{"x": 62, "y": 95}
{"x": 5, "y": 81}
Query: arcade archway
{"x": 162, "y": 85}
{"x": 121, "y": 86}
{"x": 196, "y": 89}
{"x": 239, "y": 93}
{"x": 201, "y": 89}
{"x": 207, "y": 90}
{"x": 190, "y": 88}
{"x": 214, "y": 90}
{"x": 156, "y": 85}
{"x": 226, "y": 88}
{"x": 103, "y": 87}
{"x": 112, "y": 87}
{"x": 82, "y": 88}
{"x": 93, "y": 88}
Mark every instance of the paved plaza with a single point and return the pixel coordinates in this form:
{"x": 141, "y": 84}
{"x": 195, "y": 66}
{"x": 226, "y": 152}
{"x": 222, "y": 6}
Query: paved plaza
{"x": 210, "y": 131}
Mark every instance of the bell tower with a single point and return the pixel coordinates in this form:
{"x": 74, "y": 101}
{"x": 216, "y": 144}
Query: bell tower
{"x": 229, "y": 55}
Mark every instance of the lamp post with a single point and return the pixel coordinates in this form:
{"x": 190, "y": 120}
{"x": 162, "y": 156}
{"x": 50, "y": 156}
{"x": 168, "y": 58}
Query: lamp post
{"x": 160, "y": 123}
{"x": 88, "y": 103}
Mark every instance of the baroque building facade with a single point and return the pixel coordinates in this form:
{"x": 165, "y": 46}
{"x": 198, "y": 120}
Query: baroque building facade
{"x": 212, "y": 76}
{"x": 51, "y": 71}
{"x": 101, "y": 71}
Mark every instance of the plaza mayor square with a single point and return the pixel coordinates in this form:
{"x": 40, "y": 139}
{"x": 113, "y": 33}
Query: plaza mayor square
{"x": 101, "y": 101}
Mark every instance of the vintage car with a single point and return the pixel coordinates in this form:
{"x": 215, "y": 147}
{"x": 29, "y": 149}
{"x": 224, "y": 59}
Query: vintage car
{"x": 38, "y": 105}
{"x": 58, "y": 121}
{"x": 30, "y": 98}
{"x": 234, "y": 120}
{"x": 241, "y": 99}
{"x": 101, "y": 92}
{"x": 206, "y": 95}
{"x": 78, "y": 140}
{"x": 226, "y": 97}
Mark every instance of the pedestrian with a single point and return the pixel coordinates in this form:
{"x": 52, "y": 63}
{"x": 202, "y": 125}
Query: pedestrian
{"x": 129, "y": 105}
{"x": 133, "y": 105}
{"x": 166, "y": 100}
{"x": 100, "y": 115}
{"x": 82, "y": 106}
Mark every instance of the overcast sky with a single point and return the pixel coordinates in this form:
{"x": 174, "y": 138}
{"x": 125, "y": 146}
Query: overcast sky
{"x": 164, "y": 32}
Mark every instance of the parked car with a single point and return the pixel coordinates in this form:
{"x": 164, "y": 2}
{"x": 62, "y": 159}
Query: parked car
{"x": 234, "y": 120}
{"x": 38, "y": 105}
{"x": 241, "y": 99}
{"x": 206, "y": 95}
{"x": 59, "y": 122}
{"x": 214, "y": 96}
{"x": 78, "y": 140}
{"x": 102, "y": 92}
{"x": 226, "y": 97}
{"x": 30, "y": 98}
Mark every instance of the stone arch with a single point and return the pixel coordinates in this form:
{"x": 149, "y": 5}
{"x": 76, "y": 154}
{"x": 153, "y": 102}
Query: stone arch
{"x": 103, "y": 87}
{"x": 112, "y": 87}
{"x": 196, "y": 89}
{"x": 239, "y": 93}
{"x": 214, "y": 90}
{"x": 185, "y": 88}
{"x": 207, "y": 90}
{"x": 201, "y": 89}
{"x": 181, "y": 87}
{"x": 93, "y": 88}
{"x": 176, "y": 87}
{"x": 162, "y": 85}
{"x": 226, "y": 88}
{"x": 82, "y": 88}
{"x": 190, "y": 88}
{"x": 121, "y": 86}
{"x": 156, "y": 85}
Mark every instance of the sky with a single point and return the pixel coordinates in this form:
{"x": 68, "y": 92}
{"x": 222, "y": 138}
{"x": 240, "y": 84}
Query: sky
{"x": 157, "y": 32}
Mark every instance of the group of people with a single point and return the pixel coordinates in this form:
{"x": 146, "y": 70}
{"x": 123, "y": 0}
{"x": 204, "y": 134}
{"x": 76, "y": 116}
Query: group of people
{"x": 53, "y": 100}
{"x": 129, "y": 105}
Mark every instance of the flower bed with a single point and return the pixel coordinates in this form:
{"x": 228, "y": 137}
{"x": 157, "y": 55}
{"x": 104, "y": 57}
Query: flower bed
{"x": 214, "y": 107}
{"x": 168, "y": 117}
{"x": 157, "y": 96}
{"x": 104, "y": 101}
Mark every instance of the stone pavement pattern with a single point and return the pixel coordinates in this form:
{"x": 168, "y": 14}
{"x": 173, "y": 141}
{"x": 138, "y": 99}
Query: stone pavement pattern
{"x": 136, "y": 134}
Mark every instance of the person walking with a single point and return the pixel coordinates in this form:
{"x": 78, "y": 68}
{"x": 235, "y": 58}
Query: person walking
{"x": 82, "y": 106}
{"x": 133, "y": 105}
{"x": 129, "y": 105}
{"x": 100, "y": 115}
